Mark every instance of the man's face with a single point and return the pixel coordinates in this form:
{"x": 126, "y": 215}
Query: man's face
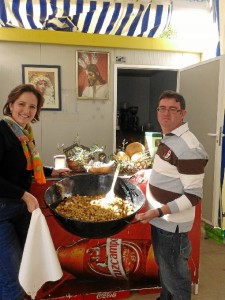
{"x": 170, "y": 116}
{"x": 92, "y": 78}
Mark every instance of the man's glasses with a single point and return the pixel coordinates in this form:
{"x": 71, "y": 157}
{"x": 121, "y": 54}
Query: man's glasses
{"x": 172, "y": 110}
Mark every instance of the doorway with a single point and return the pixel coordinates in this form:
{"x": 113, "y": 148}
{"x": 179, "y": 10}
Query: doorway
{"x": 137, "y": 91}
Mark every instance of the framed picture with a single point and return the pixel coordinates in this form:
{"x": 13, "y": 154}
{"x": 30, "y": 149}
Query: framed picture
{"x": 92, "y": 70}
{"x": 47, "y": 80}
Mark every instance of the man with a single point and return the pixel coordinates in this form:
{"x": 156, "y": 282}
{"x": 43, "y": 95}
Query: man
{"x": 175, "y": 187}
{"x": 97, "y": 88}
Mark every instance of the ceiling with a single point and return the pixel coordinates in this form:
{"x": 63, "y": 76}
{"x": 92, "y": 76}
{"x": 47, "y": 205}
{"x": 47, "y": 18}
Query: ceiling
{"x": 194, "y": 21}
{"x": 127, "y": 17}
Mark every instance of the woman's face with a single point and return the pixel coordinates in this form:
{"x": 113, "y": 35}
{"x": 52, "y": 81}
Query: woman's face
{"x": 24, "y": 108}
{"x": 41, "y": 86}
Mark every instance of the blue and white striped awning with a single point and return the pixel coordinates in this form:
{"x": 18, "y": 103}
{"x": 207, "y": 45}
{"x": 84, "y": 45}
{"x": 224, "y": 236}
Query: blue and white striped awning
{"x": 147, "y": 18}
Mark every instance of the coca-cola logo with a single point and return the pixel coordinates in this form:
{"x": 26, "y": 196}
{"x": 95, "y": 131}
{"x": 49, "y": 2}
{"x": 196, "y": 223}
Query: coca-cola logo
{"x": 104, "y": 295}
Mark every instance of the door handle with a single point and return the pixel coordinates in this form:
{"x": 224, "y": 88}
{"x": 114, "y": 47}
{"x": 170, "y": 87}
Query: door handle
{"x": 212, "y": 134}
{"x": 220, "y": 135}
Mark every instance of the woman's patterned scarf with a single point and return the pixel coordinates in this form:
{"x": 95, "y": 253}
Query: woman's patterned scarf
{"x": 26, "y": 138}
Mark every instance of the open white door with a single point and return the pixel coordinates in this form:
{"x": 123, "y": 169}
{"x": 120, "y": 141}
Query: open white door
{"x": 203, "y": 87}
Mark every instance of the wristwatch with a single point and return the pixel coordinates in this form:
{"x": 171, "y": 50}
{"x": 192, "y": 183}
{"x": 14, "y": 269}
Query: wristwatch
{"x": 161, "y": 214}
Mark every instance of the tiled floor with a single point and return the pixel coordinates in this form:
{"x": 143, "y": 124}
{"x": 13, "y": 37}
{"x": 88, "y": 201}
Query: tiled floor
{"x": 212, "y": 273}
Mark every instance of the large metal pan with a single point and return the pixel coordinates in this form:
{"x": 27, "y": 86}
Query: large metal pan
{"x": 93, "y": 184}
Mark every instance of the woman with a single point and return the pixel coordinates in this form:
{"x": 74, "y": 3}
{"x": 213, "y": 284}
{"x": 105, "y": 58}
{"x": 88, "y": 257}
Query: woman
{"x": 19, "y": 161}
{"x": 44, "y": 86}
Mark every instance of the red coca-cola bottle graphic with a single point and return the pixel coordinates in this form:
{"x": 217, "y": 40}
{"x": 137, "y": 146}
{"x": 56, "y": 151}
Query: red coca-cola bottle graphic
{"x": 114, "y": 258}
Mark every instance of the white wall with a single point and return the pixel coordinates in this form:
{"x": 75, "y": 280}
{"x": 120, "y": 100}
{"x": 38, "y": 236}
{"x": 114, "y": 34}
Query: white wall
{"x": 93, "y": 120}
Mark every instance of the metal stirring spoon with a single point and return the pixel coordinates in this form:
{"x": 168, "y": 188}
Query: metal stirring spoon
{"x": 111, "y": 194}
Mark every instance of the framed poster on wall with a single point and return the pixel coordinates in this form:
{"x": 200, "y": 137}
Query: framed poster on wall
{"x": 92, "y": 74}
{"x": 47, "y": 80}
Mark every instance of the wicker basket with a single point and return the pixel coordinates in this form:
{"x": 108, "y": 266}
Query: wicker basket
{"x": 128, "y": 167}
{"x": 101, "y": 169}
{"x": 75, "y": 166}
{"x": 78, "y": 156}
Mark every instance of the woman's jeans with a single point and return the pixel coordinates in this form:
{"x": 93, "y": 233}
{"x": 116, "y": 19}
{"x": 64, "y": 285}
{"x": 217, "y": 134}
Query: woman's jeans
{"x": 14, "y": 224}
{"x": 172, "y": 251}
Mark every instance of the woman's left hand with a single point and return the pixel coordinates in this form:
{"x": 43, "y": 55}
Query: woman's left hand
{"x": 60, "y": 172}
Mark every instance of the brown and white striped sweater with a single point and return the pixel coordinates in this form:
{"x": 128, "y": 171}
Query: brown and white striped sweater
{"x": 177, "y": 179}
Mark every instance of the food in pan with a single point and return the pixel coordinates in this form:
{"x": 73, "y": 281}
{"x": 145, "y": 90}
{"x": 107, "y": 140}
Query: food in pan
{"x": 94, "y": 209}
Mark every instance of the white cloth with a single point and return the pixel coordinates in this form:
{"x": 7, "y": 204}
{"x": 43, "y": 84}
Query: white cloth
{"x": 39, "y": 262}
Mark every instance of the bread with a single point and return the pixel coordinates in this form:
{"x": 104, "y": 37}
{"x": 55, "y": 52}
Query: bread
{"x": 121, "y": 156}
{"x": 137, "y": 156}
{"x": 133, "y": 148}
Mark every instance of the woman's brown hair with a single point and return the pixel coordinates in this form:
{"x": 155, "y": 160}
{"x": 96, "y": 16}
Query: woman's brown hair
{"x": 17, "y": 92}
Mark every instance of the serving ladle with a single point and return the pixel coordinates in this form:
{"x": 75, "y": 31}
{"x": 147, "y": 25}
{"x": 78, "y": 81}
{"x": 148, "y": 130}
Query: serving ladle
{"x": 111, "y": 194}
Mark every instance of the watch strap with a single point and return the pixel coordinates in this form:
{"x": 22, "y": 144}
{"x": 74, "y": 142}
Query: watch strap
{"x": 161, "y": 214}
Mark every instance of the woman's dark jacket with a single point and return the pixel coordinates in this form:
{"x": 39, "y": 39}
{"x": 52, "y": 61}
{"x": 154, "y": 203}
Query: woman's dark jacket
{"x": 15, "y": 179}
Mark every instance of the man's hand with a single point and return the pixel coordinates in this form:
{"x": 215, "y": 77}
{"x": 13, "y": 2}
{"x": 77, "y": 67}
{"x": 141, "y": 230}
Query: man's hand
{"x": 150, "y": 214}
{"x": 147, "y": 216}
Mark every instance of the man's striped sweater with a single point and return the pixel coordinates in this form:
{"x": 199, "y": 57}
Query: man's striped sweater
{"x": 177, "y": 179}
